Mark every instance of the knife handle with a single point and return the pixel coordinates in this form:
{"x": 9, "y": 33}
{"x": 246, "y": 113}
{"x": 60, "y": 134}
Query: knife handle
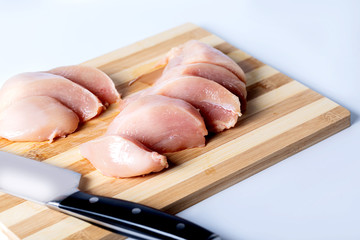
{"x": 129, "y": 218}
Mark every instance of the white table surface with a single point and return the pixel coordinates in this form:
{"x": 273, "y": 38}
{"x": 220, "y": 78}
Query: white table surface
{"x": 314, "y": 194}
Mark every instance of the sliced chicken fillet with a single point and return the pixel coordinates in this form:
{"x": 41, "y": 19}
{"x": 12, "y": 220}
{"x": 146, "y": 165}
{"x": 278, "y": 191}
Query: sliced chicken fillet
{"x": 118, "y": 156}
{"x": 195, "y": 51}
{"x": 161, "y": 123}
{"x": 84, "y": 103}
{"x": 212, "y": 72}
{"x": 92, "y": 79}
{"x": 218, "y": 106}
{"x": 37, "y": 118}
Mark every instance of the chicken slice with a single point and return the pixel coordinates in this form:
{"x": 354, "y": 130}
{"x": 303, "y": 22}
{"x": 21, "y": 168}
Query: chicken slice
{"x": 92, "y": 79}
{"x": 218, "y": 106}
{"x": 212, "y": 72}
{"x": 195, "y": 51}
{"x": 161, "y": 123}
{"x": 37, "y": 118}
{"x": 118, "y": 156}
{"x": 84, "y": 103}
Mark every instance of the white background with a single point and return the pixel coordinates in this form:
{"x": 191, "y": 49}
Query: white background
{"x": 314, "y": 194}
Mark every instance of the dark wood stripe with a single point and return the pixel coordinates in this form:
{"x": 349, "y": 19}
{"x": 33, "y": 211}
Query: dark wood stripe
{"x": 82, "y": 166}
{"x": 7, "y": 201}
{"x": 266, "y": 155}
{"x": 225, "y": 47}
{"x": 112, "y": 236}
{"x": 37, "y": 222}
{"x": 154, "y": 51}
{"x": 250, "y": 64}
{"x": 116, "y": 185}
{"x": 266, "y": 85}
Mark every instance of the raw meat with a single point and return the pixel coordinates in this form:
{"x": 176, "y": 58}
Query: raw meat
{"x": 218, "y": 106}
{"x": 37, "y": 118}
{"x": 161, "y": 123}
{"x": 212, "y": 72}
{"x": 92, "y": 79}
{"x": 118, "y": 156}
{"x": 195, "y": 51}
{"x": 84, "y": 103}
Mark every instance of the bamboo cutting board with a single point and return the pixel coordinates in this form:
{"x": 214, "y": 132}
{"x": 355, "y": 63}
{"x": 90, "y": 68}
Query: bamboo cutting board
{"x": 283, "y": 117}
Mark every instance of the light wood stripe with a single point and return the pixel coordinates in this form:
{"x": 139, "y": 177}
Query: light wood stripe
{"x": 18, "y": 147}
{"x": 259, "y": 74}
{"x": 238, "y": 55}
{"x": 62, "y": 229}
{"x": 9, "y": 235}
{"x": 135, "y": 71}
{"x": 212, "y": 40}
{"x": 66, "y": 158}
{"x": 43, "y": 219}
{"x": 95, "y": 179}
{"x": 20, "y": 212}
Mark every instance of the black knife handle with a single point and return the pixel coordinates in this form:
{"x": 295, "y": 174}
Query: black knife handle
{"x": 130, "y": 219}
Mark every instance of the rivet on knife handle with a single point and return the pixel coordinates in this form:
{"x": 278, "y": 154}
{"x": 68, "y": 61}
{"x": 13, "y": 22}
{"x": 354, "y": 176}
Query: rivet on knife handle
{"x": 129, "y": 218}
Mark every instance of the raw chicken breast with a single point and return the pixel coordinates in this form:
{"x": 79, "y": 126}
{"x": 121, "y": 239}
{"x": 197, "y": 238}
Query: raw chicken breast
{"x": 37, "y": 118}
{"x": 212, "y": 72}
{"x": 218, "y": 106}
{"x": 117, "y": 156}
{"x": 160, "y": 123}
{"x": 84, "y": 103}
{"x": 92, "y": 79}
{"x": 194, "y": 51}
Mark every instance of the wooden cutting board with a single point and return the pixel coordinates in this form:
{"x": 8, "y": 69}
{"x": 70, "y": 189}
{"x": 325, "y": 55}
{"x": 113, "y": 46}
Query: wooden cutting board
{"x": 283, "y": 117}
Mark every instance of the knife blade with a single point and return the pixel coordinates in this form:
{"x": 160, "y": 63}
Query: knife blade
{"x": 57, "y": 188}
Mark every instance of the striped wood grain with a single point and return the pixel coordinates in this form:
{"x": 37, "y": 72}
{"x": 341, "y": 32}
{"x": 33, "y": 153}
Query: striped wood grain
{"x": 283, "y": 117}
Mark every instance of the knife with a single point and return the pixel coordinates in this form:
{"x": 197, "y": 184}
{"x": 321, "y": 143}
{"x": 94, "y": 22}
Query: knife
{"x": 57, "y": 188}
